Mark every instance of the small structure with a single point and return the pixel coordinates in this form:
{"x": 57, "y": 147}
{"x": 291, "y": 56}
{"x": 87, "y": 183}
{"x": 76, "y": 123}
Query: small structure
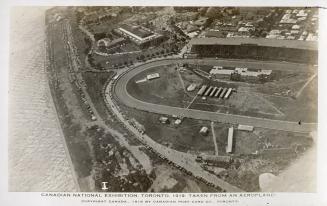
{"x": 245, "y": 127}
{"x": 164, "y": 120}
{"x": 153, "y": 76}
{"x": 201, "y": 91}
{"x": 246, "y": 72}
{"x": 115, "y": 77}
{"x": 191, "y": 87}
{"x": 214, "y": 158}
{"x": 218, "y": 92}
{"x": 178, "y": 121}
{"x": 213, "y": 92}
{"x": 220, "y": 161}
{"x": 228, "y": 93}
{"x": 204, "y": 130}
{"x": 223, "y": 92}
{"x": 220, "y": 70}
{"x": 110, "y": 43}
{"x": 229, "y": 147}
{"x": 208, "y": 91}
{"x": 141, "y": 81}
{"x": 137, "y": 125}
{"x": 243, "y": 71}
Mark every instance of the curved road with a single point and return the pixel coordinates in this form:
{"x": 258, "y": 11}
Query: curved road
{"x": 128, "y": 100}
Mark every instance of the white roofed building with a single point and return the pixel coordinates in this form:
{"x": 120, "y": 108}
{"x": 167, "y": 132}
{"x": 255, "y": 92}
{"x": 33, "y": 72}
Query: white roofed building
{"x": 204, "y": 130}
{"x": 245, "y": 127}
{"x": 153, "y": 76}
{"x": 229, "y": 147}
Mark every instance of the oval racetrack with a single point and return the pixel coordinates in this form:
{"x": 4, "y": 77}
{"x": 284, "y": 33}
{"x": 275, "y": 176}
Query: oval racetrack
{"x": 121, "y": 92}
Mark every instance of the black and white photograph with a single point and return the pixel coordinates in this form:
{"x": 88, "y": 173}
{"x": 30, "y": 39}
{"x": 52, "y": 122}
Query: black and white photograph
{"x": 163, "y": 99}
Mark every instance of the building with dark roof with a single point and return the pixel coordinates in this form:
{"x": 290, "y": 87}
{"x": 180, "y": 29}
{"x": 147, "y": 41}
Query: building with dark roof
{"x": 261, "y": 48}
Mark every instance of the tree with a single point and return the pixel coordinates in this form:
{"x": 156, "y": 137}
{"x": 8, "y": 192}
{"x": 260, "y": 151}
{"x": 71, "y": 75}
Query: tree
{"x": 109, "y": 35}
{"x": 98, "y": 36}
{"x": 98, "y": 66}
{"x": 203, "y": 10}
{"x": 235, "y": 76}
{"x": 214, "y": 13}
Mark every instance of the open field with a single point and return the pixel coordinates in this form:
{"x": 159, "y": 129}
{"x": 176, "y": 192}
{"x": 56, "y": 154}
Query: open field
{"x": 165, "y": 90}
{"x": 268, "y": 100}
{"x": 255, "y": 152}
{"x": 184, "y": 137}
{"x": 304, "y": 107}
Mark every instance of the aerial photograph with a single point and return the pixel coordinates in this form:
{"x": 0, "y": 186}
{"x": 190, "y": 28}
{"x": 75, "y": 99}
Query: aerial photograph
{"x": 163, "y": 99}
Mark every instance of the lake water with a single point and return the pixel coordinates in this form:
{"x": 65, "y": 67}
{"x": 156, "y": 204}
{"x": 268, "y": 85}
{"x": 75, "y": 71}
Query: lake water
{"x": 37, "y": 157}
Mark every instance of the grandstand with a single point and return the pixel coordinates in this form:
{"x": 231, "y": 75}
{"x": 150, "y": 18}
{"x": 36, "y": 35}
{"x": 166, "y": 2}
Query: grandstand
{"x": 261, "y": 49}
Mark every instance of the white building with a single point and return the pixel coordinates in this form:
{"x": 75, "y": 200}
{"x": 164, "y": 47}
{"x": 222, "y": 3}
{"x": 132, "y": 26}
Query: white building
{"x": 295, "y": 27}
{"x": 153, "y": 76}
{"x": 204, "y": 130}
{"x": 240, "y": 70}
{"x": 191, "y": 87}
{"x": 178, "y": 121}
{"x": 163, "y": 120}
{"x": 245, "y": 127}
{"x": 229, "y": 147}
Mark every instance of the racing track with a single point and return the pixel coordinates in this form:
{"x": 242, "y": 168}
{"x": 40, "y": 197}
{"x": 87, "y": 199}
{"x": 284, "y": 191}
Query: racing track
{"x": 121, "y": 92}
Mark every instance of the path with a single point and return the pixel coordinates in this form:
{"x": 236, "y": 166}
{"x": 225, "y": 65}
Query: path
{"x": 305, "y": 85}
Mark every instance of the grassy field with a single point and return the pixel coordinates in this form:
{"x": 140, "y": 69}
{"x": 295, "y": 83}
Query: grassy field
{"x": 245, "y": 172}
{"x": 251, "y": 160}
{"x": 184, "y": 137}
{"x": 242, "y": 103}
{"x": 166, "y": 90}
{"x": 304, "y": 108}
{"x": 270, "y": 100}
{"x": 169, "y": 90}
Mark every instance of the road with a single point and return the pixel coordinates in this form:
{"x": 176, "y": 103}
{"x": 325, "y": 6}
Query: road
{"x": 128, "y": 100}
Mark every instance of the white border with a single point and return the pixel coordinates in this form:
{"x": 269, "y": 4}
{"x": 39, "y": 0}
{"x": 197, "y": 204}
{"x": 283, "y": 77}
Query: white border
{"x": 7, "y": 198}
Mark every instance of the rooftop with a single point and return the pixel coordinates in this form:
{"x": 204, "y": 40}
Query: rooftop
{"x": 258, "y": 41}
{"x": 137, "y": 30}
